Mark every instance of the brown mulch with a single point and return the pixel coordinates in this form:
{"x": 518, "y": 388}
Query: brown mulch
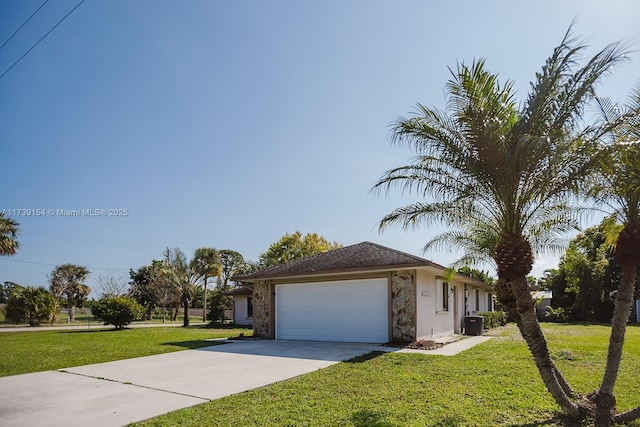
{"x": 417, "y": 345}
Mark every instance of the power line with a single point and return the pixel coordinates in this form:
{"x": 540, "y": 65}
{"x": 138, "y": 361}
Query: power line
{"x": 25, "y": 23}
{"x": 57, "y": 265}
{"x": 42, "y": 38}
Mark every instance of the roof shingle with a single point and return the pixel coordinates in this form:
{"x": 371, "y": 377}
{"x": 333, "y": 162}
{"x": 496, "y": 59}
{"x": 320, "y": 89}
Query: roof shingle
{"x": 358, "y": 257}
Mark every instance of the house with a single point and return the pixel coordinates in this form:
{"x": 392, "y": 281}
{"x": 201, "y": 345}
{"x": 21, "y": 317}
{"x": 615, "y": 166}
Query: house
{"x": 543, "y": 301}
{"x": 242, "y": 304}
{"x": 363, "y": 293}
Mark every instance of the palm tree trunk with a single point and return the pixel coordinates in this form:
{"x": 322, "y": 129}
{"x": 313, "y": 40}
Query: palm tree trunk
{"x": 204, "y": 300}
{"x": 627, "y": 258}
{"x": 532, "y": 333}
{"x": 625, "y": 417}
{"x": 185, "y": 319}
{"x": 508, "y": 300}
{"x": 71, "y": 314}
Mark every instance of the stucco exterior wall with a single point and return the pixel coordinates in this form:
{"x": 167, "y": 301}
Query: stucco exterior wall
{"x": 262, "y": 310}
{"x": 240, "y": 316}
{"x": 403, "y": 305}
{"x": 432, "y": 322}
{"x": 483, "y": 302}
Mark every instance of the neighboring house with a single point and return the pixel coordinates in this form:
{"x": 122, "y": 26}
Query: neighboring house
{"x": 363, "y": 293}
{"x": 544, "y": 298}
{"x": 242, "y": 304}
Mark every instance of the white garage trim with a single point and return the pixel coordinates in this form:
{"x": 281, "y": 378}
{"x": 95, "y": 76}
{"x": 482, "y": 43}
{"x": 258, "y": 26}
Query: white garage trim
{"x": 341, "y": 310}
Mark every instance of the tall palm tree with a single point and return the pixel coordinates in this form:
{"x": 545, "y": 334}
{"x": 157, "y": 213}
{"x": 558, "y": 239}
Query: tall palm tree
{"x": 510, "y": 170}
{"x": 8, "y": 232}
{"x": 205, "y": 265}
{"x": 618, "y": 186}
{"x": 176, "y": 270}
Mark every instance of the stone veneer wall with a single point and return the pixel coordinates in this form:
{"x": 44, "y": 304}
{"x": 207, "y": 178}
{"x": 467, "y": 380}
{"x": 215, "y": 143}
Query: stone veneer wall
{"x": 403, "y": 305}
{"x": 261, "y": 314}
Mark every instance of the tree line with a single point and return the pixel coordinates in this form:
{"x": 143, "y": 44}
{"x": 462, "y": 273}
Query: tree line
{"x": 165, "y": 285}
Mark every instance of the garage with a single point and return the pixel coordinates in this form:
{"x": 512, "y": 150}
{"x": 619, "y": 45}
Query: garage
{"x": 342, "y": 310}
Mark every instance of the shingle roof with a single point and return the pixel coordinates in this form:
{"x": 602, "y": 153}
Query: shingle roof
{"x": 241, "y": 290}
{"x": 360, "y": 257}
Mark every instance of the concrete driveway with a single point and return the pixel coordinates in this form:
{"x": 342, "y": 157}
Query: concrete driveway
{"x": 124, "y": 391}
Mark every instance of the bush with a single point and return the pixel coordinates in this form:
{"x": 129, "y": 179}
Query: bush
{"x": 33, "y": 305}
{"x": 493, "y": 319}
{"x": 558, "y": 315}
{"x": 117, "y": 311}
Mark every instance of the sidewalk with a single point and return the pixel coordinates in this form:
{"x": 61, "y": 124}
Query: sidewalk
{"x": 90, "y": 326}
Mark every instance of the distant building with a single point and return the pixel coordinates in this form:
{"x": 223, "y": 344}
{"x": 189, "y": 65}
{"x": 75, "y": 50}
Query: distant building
{"x": 545, "y": 298}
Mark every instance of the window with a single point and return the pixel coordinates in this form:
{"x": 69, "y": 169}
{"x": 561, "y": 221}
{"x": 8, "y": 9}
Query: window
{"x": 477, "y": 299}
{"x": 442, "y": 295}
{"x": 489, "y": 302}
{"x": 249, "y": 307}
{"x": 445, "y": 296}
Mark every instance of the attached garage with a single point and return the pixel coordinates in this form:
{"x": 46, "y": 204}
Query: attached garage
{"x": 345, "y": 310}
{"x": 361, "y": 293}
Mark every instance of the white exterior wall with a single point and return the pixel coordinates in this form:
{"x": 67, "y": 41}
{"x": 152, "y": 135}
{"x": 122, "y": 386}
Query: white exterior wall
{"x": 431, "y": 321}
{"x": 240, "y": 310}
{"x": 471, "y": 301}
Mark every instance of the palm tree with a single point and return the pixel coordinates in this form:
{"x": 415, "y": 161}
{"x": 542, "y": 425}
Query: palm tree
{"x": 66, "y": 281}
{"x": 204, "y": 265}
{"x": 508, "y": 171}
{"x": 618, "y": 186}
{"x": 176, "y": 270}
{"x": 8, "y": 232}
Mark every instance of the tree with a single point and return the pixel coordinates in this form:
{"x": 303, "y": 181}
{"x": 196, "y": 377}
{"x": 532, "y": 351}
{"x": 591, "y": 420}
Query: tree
{"x": 586, "y": 277}
{"x": 619, "y": 187}
{"x": 294, "y": 246}
{"x": 507, "y": 174}
{"x": 112, "y": 285}
{"x": 8, "y": 236}
{"x": 117, "y": 311}
{"x": 205, "y": 265}
{"x": 5, "y": 291}
{"x": 231, "y": 263}
{"x": 33, "y": 305}
{"x": 480, "y": 275}
{"x": 178, "y": 272}
{"x": 66, "y": 281}
{"x": 143, "y": 286}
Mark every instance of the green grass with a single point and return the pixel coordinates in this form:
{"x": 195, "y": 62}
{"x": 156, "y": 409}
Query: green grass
{"x": 84, "y": 316}
{"x": 495, "y": 383}
{"x": 24, "y": 352}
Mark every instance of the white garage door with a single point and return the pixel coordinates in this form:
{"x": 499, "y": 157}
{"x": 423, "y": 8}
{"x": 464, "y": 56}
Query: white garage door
{"x": 345, "y": 310}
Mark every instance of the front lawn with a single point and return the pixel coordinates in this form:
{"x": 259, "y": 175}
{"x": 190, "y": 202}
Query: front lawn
{"x": 34, "y": 351}
{"x": 495, "y": 383}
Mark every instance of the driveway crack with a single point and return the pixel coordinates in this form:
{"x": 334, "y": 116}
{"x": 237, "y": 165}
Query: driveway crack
{"x": 204, "y": 399}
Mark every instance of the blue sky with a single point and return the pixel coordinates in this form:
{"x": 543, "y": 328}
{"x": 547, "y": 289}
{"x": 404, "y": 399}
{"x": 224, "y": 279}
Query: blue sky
{"x": 229, "y": 123}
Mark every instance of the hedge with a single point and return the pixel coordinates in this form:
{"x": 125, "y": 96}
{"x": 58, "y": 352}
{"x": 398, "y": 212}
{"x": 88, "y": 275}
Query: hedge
{"x": 493, "y": 319}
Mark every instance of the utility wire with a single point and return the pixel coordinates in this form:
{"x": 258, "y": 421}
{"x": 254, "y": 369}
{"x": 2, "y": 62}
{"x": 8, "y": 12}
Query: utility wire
{"x": 42, "y": 38}
{"x": 25, "y": 23}
{"x": 54, "y": 265}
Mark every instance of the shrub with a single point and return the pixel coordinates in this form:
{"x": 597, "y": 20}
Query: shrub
{"x": 27, "y": 304}
{"x": 117, "y": 311}
{"x": 558, "y": 315}
{"x": 493, "y": 319}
